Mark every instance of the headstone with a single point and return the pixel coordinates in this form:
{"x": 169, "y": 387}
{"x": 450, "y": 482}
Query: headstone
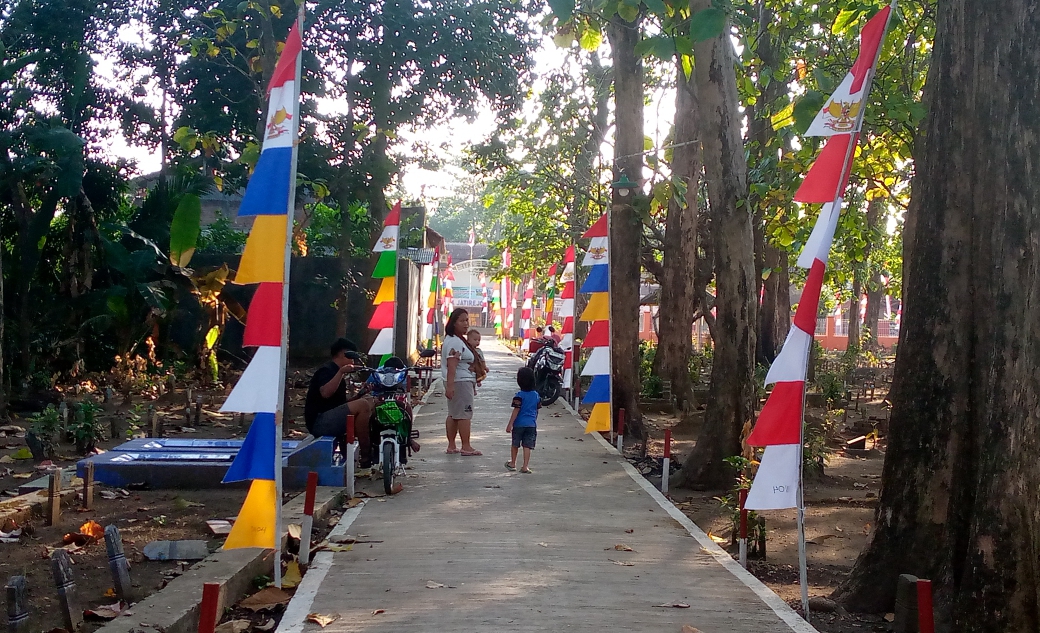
{"x": 117, "y": 563}
{"x": 198, "y": 409}
{"x": 68, "y": 601}
{"x": 154, "y": 423}
{"x": 176, "y": 550}
{"x": 906, "y": 604}
{"x": 54, "y": 498}
{"x": 88, "y": 487}
{"x": 17, "y": 605}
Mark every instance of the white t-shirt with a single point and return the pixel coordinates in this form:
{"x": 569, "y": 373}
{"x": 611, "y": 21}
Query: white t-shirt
{"x": 454, "y": 346}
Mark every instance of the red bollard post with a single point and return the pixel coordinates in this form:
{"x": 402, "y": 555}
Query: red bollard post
{"x": 307, "y": 528}
{"x": 743, "y": 528}
{"x": 925, "y": 616}
{"x": 666, "y": 465}
{"x": 210, "y": 609}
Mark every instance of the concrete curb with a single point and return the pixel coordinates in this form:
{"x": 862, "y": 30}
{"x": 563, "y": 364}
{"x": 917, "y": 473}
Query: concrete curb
{"x": 175, "y": 609}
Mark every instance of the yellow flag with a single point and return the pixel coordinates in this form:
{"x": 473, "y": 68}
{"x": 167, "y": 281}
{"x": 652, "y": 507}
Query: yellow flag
{"x": 599, "y": 419}
{"x": 598, "y": 308}
{"x": 264, "y": 256}
{"x": 386, "y": 291}
{"x": 254, "y": 526}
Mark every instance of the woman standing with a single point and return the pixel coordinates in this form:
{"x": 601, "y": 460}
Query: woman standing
{"x": 460, "y": 383}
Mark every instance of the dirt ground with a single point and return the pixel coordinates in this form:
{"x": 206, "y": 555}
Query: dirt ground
{"x": 839, "y": 515}
{"x": 142, "y": 516}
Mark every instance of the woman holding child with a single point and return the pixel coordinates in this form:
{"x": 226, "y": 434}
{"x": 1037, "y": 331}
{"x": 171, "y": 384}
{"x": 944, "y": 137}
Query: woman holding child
{"x": 461, "y": 369}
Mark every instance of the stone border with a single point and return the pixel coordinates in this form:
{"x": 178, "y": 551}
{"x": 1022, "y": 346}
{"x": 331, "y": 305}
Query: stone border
{"x": 175, "y": 608}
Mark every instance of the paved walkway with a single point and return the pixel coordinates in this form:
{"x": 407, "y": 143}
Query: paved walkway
{"x": 470, "y": 546}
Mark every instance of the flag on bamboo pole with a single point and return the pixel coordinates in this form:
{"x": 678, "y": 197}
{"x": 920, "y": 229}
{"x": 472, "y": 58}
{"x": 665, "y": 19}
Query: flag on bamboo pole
{"x": 261, "y": 387}
{"x": 483, "y": 294}
{"x": 597, "y": 313}
{"x": 779, "y": 428}
{"x": 447, "y": 292}
{"x": 508, "y": 298}
{"x": 526, "y": 312}
{"x": 550, "y": 294}
{"x": 567, "y": 316}
{"x": 385, "y": 302}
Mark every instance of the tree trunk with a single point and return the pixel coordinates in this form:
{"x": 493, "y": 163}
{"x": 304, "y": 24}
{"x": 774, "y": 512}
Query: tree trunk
{"x": 626, "y": 227}
{"x": 875, "y": 291}
{"x": 959, "y": 501}
{"x": 678, "y": 302}
{"x": 732, "y": 388}
{"x": 854, "y": 316}
{"x": 774, "y": 314}
{"x": 875, "y": 295}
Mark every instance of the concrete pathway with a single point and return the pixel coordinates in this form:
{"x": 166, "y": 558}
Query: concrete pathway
{"x": 470, "y": 546}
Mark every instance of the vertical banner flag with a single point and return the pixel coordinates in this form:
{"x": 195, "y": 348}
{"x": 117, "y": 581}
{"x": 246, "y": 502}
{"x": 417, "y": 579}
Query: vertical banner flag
{"x": 550, "y": 295}
{"x": 777, "y": 483}
{"x": 261, "y": 387}
{"x": 447, "y": 293}
{"x": 483, "y": 294}
{"x": 385, "y": 303}
{"x": 566, "y": 308}
{"x": 526, "y": 311}
{"x": 597, "y": 314}
{"x": 508, "y": 300}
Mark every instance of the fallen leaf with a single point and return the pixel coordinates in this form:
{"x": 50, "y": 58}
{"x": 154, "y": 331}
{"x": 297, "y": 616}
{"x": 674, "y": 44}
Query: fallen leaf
{"x": 817, "y": 540}
{"x": 295, "y": 530}
{"x": 6, "y": 459}
{"x": 674, "y": 605}
{"x": 184, "y": 504}
{"x": 292, "y": 576}
{"x": 621, "y": 547}
{"x": 622, "y": 563}
{"x": 686, "y": 628}
{"x": 322, "y": 620}
{"x": 21, "y": 453}
{"x": 543, "y": 544}
{"x": 106, "y": 612}
{"x": 23, "y": 475}
{"x": 629, "y": 531}
{"x": 717, "y": 539}
{"x": 339, "y": 548}
{"x": 234, "y": 626}
{"x": 433, "y": 585}
{"x": 110, "y": 593}
{"x": 267, "y": 598}
{"x": 890, "y": 617}
{"x": 378, "y": 611}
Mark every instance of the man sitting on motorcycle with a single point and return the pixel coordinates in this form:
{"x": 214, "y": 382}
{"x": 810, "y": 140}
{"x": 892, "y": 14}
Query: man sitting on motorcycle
{"x": 327, "y": 406}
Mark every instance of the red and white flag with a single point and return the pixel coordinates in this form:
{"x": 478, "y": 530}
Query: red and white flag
{"x": 472, "y": 237}
{"x": 841, "y": 113}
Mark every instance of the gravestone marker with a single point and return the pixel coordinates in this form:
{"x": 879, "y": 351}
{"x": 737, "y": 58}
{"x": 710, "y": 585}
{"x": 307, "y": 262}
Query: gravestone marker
{"x": 54, "y": 498}
{"x": 68, "y": 601}
{"x": 118, "y": 564}
{"x": 17, "y": 605}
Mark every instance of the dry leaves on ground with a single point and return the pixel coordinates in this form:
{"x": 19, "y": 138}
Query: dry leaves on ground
{"x": 621, "y": 547}
{"x": 292, "y": 576}
{"x": 321, "y": 619}
{"x": 268, "y": 598}
{"x": 686, "y": 628}
{"x": 433, "y": 585}
{"x": 234, "y": 626}
{"x": 378, "y": 611}
{"x": 106, "y": 612}
{"x": 673, "y": 605}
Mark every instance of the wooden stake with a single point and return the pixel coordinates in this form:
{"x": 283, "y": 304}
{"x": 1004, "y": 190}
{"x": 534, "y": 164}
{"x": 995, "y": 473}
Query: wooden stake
{"x": 210, "y": 608}
{"x": 54, "y": 498}
{"x": 88, "y": 487}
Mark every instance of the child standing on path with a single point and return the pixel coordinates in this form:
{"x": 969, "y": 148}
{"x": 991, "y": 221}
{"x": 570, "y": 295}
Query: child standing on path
{"x": 523, "y": 424}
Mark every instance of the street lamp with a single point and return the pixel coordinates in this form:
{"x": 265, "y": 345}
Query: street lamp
{"x": 623, "y": 187}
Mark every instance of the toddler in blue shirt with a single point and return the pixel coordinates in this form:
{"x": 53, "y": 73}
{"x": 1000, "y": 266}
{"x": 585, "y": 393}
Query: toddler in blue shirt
{"x": 523, "y": 424}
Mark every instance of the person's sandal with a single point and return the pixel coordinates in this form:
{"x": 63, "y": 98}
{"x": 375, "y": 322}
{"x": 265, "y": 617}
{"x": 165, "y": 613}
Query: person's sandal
{"x": 526, "y": 471}
{"x": 510, "y": 466}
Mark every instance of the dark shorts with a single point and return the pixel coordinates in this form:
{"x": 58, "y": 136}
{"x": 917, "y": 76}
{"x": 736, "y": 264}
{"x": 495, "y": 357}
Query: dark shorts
{"x": 524, "y": 436}
{"x": 332, "y": 423}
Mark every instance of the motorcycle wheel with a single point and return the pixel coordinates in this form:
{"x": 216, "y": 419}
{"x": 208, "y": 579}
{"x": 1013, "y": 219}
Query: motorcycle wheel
{"x": 388, "y": 467}
{"x": 550, "y": 392}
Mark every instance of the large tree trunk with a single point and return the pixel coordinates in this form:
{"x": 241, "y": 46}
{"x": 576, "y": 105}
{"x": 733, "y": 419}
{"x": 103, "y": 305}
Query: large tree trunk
{"x": 960, "y": 496}
{"x": 855, "y": 318}
{"x": 626, "y": 234}
{"x": 875, "y": 291}
{"x": 678, "y": 301}
{"x": 732, "y": 387}
{"x": 774, "y": 315}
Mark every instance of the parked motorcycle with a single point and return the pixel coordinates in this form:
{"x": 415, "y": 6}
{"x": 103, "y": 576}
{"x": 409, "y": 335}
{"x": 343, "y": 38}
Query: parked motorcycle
{"x": 547, "y": 364}
{"x": 391, "y": 423}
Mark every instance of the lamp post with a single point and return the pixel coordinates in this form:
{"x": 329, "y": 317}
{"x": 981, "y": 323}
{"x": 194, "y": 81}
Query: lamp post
{"x": 623, "y": 188}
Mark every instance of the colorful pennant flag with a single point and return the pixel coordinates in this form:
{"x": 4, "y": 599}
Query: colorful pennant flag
{"x": 526, "y": 311}
{"x": 597, "y": 312}
{"x": 566, "y": 309}
{"x": 779, "y": 428}
{"x": 261, "y": 388}
{"x": 550, "y": 294}
{"x": 385, "y": 301}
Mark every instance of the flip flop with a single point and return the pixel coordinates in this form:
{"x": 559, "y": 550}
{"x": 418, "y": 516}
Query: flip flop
{"x": 510, "y": 466}
{"x": 471, "y": 453}
{"x": 526, "y": 471}
{"x": 452, "y": 452}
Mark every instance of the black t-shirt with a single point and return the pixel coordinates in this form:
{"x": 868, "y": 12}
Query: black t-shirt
{"x": 316, "y": 404}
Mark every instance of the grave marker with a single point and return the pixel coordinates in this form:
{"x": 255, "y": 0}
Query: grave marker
{"x": 68, "y": 600}
{"x": 118, "y": 564}
{"x": 54, "y": 498}
{"x": 17, "y": 605}
{"x": 88, "y": 487}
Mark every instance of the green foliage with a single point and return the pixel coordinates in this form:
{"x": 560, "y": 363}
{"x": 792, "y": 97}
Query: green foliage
{"x": 221, "y": 237}
{"x": 46, "y": 426}
{"x": 85, "y": 427}
{"x": 651, "y": 383}
{"x": 185, "y": 229}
